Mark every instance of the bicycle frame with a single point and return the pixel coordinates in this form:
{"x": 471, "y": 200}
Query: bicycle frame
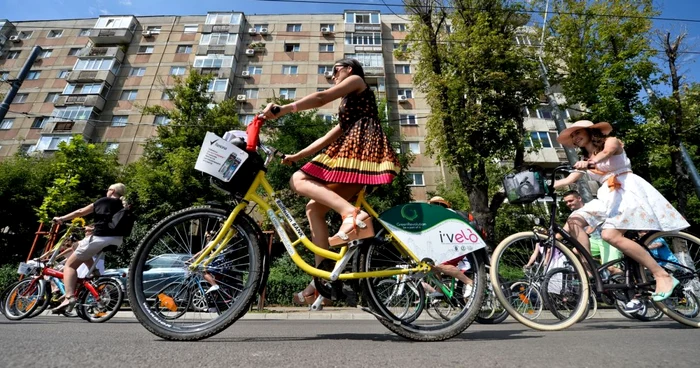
{"x": 220, "y": 241}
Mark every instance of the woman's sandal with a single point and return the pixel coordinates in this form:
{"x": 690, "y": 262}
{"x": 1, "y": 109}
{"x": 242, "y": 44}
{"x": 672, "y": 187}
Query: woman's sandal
{"x": 360, "y": 230}
{"x": 66, "y": 306}
{"x": 301, "y": 299}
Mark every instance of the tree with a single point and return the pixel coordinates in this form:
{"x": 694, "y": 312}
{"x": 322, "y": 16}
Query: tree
{"x": 476, "y": 80}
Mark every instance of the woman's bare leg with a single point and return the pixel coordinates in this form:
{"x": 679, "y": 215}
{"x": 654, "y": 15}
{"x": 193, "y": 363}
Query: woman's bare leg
{"x": 307, "y": 186}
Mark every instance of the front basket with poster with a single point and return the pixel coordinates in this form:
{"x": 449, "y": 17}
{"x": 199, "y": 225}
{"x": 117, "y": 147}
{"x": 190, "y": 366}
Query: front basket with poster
{"x": 525, "y": 186}
{"x": 220, "y": 158}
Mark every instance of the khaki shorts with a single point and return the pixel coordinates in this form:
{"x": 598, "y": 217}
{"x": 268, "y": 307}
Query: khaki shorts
{"x": 91, "y": 245}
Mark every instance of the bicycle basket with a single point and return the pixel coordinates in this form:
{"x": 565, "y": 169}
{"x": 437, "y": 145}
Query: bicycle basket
{"x": 243, "y": 178}
{"x": 525, "y": 186}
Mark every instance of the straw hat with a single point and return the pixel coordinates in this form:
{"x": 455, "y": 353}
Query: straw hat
{"x": 564, "y": 137}
{"x": 440, "y": 200}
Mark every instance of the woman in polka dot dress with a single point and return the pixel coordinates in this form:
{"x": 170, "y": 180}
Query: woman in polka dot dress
{"x": 357, "y": 153}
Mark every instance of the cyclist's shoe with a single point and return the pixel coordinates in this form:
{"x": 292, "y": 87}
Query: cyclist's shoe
{"x": 436, "y": 295}
{"x": 468, "y": 288}
{"x": 633, "y": 306}
{"x": 65, "y": 307}
{"x": 212, "y": 289}
{"x": 658, "y": 297}
{"x": 361, "y": 229}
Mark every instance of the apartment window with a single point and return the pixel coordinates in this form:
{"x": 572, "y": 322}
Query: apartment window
{"x": 26, "y": 149}
{"x": 398, "y": 27}
{"x": 83, "y": 89}
{"x": 33, "y": 74}
{"x": 327, "y": 117}
{"x": 63, "y": 74}
{"x": 370, "y": 18}
{"x": 75, "y": 51}
{"x": 137, "y": 72}
{"x": 191, "y": 28}
{"x": 407, "y": 119}
{"x": 52, "y": 97}
{"x": 49, "y": 143}
{"x": 288, "y": 93}
{"x": 251, "y": 93}
{"x": 290, "y": 69}
{"x": 45, "y": 53}
{"x": 213, "y": 61}
{"x": 97, "y": 64}
{"x": 20, "y": 98}
{"x": 184, "y": 49}
{"x": 218, "y": 85}
{"x": 321, "y": 89}
{"x": 322, "y": 69}
{"x": 55, "y": 33}
{"x": 259, "y": 27}
{"x": 218, "y": 39}
{"x": 153, "y": 29}
{"x": 246, "y": 119}
{"x": 165, "y": 95}
{"x": 161, "y": 120}
{"x": 329, "y": 26}
{"x": 255, "y": 69}
{"x": 294, "y": 27}
{"x": 84, "y": 32}
{"x": 402, "y": 47}
{"x": 374, "y": 59}
{"x": 177, "y": 70}
{"x": 413, "y": 147}
{"x": 223, "y": 18}
{"x": 402, "y": 69}
{"x": 405, "y": 92}
{"x": 13, "y": 54}
{"x": 417, "y": 179}
{"x": 448, "y": 28}
{"x": 545, "y": 112}
{"x": 25, "y": 35}
{"x": 292, "y": 47}
{"x": 522, "y": 40}
{"x": 72, "y": 113}
{"x": 326, "y": 47}
{"x": 6, "y": 124}
{"x": 39, "y": 123}
{"x": 146, "y": 50}
{"x": 128, "y": 95}
{"x": 112, "y": 148}
{"x": 4, "y": 76}
{"x": 363, "y": 39}
{"x": 539, "y": 140}
{"x": 553, "y": 139}
{"x": 119, "y": 120}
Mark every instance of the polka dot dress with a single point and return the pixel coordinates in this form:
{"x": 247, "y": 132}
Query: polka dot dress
{"x": 362, "y": 155}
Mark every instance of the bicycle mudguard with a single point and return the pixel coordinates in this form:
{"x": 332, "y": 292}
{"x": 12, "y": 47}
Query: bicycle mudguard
{"x": 432, "y": 232}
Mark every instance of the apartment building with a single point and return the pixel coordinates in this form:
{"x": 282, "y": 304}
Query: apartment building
{"x": 94, "y": 75}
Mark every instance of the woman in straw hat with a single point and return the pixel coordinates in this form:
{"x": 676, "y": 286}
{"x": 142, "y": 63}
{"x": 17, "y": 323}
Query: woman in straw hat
{"x": 625, "y": 200}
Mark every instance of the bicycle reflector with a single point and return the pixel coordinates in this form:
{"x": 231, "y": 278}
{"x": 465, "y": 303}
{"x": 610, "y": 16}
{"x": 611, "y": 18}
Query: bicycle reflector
{"x": 253, "y": 132}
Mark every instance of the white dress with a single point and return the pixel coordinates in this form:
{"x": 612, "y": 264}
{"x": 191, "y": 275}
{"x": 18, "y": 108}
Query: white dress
{"x": 628, "y": 202}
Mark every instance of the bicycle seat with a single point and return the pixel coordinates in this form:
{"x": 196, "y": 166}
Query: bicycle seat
{"x": 110, "y": 248}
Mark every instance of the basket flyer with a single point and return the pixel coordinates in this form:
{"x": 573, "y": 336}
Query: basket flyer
{"x": 219, "y": 158}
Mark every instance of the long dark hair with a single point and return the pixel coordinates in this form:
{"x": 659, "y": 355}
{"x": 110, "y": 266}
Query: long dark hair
{"x": 354, "y": 64}
{"x": 598, "y": 140}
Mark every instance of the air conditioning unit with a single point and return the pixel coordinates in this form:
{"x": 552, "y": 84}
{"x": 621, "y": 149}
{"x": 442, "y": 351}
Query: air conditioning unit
{"x": 403, "y": 98}
{"x": 245, "y": 74}
{"x": 263, "y": 31}
{"x": 148, "y": 34}
{"x": 241, "y": 98}
{"x": 252, "y": 31}
{"x": 15, "y": 38}
{"x": 249, "y": 52}
{"x": 328, "y": 74}
{"x": 326, "y": 31}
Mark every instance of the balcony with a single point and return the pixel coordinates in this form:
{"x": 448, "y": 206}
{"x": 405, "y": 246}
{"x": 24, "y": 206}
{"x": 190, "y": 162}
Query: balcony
{"x": 86, "y": 76}
{"x": 60, "y": 127}
{"x": 102, "y": 52}
{"x": 96, "y": 101}
{"x": 113, "y": 29}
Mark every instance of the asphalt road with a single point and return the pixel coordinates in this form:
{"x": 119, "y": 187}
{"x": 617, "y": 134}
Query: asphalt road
{"x": 122, "y": 342}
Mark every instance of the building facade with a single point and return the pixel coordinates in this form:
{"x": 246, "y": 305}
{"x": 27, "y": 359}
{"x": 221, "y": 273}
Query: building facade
{"x": 93, "y": 76}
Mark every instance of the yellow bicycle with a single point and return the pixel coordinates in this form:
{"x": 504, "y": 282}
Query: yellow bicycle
{"x": 221, "y": 256}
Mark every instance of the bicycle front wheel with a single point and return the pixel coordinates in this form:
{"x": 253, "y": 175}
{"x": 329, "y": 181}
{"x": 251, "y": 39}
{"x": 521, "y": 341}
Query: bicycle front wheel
{"x": 161, "y": 284}
{"x": 507, "y": 269}
{"x": 561, "y": 290}
{"x": 23, "y": 299}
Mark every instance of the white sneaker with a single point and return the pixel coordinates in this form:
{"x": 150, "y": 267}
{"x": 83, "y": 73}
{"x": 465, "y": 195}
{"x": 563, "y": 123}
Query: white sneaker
{"x": 212, "y": 288}
{"x": 468, "y": 288}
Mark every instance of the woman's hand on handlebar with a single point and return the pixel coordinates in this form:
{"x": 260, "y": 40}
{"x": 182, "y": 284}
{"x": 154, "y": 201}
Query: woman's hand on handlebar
{"x": 270, "y": 111}
{"x": 585, "y": 165}
{"x": 289, "y": 160}
{"x": 57, "y": 220}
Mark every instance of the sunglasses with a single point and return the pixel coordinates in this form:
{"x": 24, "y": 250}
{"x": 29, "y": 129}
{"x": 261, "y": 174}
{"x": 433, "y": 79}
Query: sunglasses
{"x": 337, "y": 68}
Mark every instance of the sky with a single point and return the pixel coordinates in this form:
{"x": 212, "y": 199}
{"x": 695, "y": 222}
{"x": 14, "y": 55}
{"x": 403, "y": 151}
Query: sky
{"x": 19, "y": 10}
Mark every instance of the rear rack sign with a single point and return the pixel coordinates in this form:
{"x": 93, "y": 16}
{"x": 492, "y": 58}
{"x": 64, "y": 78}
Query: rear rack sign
{"x": 219, "y": 157}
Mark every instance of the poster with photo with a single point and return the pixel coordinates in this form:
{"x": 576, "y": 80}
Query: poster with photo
{"x": 219, "y": 158}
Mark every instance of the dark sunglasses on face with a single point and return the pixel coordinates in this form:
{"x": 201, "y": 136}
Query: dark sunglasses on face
{"x": 337, "y": 68}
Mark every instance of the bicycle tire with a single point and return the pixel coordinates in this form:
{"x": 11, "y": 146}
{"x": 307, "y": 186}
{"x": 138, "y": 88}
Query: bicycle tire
{"x": 18, "y": 307}
{"x": 688, "y": 291}
{"x": 4, "y": 295}
{"x": 196, "y": 222}
{"x": 651, "y": 312}
{"x": 45, "y": 301}
{"x": 492, "y": 303}
{"x": 552, "y": 304}
{"x": 534, "y": 238}
{"x": 111, "y": 297}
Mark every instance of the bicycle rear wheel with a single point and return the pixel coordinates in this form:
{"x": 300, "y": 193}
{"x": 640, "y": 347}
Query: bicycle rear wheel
{"x": 23, "y": 299}
{"x": 177, "y": 238}
{"x": 560, "y": 290}
{"x": 507, "y": 262}
{"x": 106, "y": 305}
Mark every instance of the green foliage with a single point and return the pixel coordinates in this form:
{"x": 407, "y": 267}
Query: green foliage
{"x": 8, "y": 275}
{"x": 285, "y": 279}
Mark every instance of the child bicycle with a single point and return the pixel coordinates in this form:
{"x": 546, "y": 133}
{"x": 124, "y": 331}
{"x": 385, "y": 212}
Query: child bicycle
{"x": 411, "y": 238}
{"x": 511, "y": 254}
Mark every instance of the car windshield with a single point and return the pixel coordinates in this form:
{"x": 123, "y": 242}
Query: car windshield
{"x": 167, "y": 261}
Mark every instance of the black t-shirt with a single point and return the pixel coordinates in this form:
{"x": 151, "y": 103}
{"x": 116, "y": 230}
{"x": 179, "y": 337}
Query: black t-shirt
{"x": 104, "y": 209}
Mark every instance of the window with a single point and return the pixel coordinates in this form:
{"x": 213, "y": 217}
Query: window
{"x": 20, "y": 98}
{"x": 545, "y": 112}
{"x": 326, "y": 47}
{"x": 45, "y": 53}
{"x": 251, "y": 93}
{"x": 161, "y": 120}
{"x": 6, "y": 124}
{"x": 146, "y": 50}
{"x": 246, "y": 119}
{"x": 321, "y": 89}
{"x": 153, "y": 29}
{"x": 213, "y": 61}
{"x": 288, "y": 93}
{"x": 330, "y": 27}
{"x": 416, "y": 179}
{"x": 137, "y": 72}
{"x": 218, "y": 85}
{"x": 33, "y": 74}
{"x": 25, "y": 35}
{"x": 363, "y": 39}
{"x": 553, "y": 139}
{"x": 75, "y": 51}
{"x": 218, "y": 39}
{"x": 119, "y": 120}
{"x": 85, "y": 32}
{"x": 177, "y": 70}
{"x": 370, "y": 18}
{"x": 184, "y": 49}
{"x": 294, "y": 27}
{"x": 128, "y": 95}
{"x": 402, "y": 69}
{"x": 540, "y": 139}
{"x": 39, "y": 123}
{"x": 413, "y": 147}
{"x": 259, "y": 27}
{"x": 255, "y": 69}
{"x": 72, "y": 113}
{"x": 327, "y": 117}
{"x": 448, "y": 28}
{"x": 522, "y": 40}
{"x": 223, "y": 18}
{"x": 165, "y": 95}
{"x": 374, "y": 59}
{"x": 191, "y": 28}
{"x": 290, "y": 69}
{"x": 97, "y": 64}
{"x": 4, "y": 76}
{"x": 398, "y": 27}
{"x": 52, "y": 97}
{"x": 402, "y": 47}
{"x": 63, "y": 74}
{"x": 83, "y": 89}
{"x": 292, "y": 47}
{"x": 26, "y": 149}
{"x": 55, "y": 33}
{"x": 405, "y": 92}
{"x": 50, "y": 143}
{"x": 112, "y": 148}
{"x": 322, "y": 69}
{"x": 13, "y": 54}
{"x": 407, "y": 119}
